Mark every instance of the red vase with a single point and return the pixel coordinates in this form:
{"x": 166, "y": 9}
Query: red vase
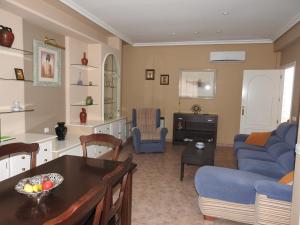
{"x": 84, "y": 60}
{"x": 83, "y": 115}
{"x": 7, "y": 37}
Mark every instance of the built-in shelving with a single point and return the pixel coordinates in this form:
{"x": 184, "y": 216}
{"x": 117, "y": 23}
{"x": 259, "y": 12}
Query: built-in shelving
{"x": 85, "y": 85}
{"x": 84, "y": 67}
{"x": 15, "y": 50}
{"x": 83, "y": 105}
{"x": 9, "y": 79}
{"x": 9, "y": 111}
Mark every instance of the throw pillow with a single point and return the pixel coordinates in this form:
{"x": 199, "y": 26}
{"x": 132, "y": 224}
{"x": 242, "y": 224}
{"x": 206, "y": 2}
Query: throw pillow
{"x": 287, "y": 179}
{"x": 258, "y": 138}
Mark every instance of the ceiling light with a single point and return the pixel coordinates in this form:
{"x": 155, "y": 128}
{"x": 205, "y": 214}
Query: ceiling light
{"x": 225, "y": 13}
{"x": 173, "y": 33}
{"x": 196, "y": 32}
{"x": 219, "y": 31}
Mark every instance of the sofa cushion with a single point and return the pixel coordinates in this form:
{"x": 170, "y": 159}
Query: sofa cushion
{"x": 279, "y": 148}
{"x": 242, "y": 145}
{"x": 250, "y": 154}
{"x": 291, "y": 136}
{"x": 227, "y": 184}
{"x": 266, "y": 168}
{"x": 258, "y": 138}
{"x": 287, "y": 179}
{"x": 287, "y": 160}
{"x": 282, "y": 129}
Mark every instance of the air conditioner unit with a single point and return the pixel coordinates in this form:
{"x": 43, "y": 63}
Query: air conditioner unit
{"x": 228, "y": 56}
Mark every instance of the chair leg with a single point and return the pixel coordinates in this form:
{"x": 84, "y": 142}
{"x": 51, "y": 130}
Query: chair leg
{"x": 209, "y": 218}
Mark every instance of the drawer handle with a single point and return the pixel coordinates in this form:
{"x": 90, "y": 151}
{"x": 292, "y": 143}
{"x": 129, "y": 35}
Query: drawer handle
{"x": 45, "y": 149}
{"x": 209, "y": 120}
{"x": 23, "y": 157}
{"x": 99, "y": 131}
{"x": 23, "y": 169}
{"x": 45, "y": 160}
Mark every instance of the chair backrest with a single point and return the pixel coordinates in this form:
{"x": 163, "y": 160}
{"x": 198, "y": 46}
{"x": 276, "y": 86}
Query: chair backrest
{"x": 21, "y": 148}
{"x": 112, "y": 210}
{"x": 101, "y": 138}
{"x": 79, "y": 211}
{"x": 145, "y": 116}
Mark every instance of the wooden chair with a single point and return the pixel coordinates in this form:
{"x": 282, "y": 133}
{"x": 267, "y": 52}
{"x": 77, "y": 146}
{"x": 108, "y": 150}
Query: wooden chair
{"x": 21, "y": 148}
{"x": 103, "y": 138}
{"x": 112, "y": 209}
{"x": 80, "y": 211}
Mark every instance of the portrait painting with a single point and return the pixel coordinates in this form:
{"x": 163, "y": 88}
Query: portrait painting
{"x": 47, "y": 65}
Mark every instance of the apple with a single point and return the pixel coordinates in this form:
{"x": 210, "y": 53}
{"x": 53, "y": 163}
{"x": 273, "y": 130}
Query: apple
{"x": 46, "y": 185}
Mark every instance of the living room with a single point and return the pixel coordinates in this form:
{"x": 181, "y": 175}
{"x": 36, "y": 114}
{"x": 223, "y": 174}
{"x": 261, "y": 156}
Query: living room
{"x": 269, "y": 43}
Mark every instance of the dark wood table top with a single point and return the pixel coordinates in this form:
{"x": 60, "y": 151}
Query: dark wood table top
{"x": 80, "y": 175}
{"x": 193, "y": 156}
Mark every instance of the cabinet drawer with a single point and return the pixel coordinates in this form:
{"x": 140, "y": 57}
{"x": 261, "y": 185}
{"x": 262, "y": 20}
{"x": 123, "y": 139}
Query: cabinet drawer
{"x": 4, "y": 168}
{"x": 76, "y": 151}
{"x": 104, "y": 129}
{"x": 45, "y": 153}
{"x": 19, "y": 163}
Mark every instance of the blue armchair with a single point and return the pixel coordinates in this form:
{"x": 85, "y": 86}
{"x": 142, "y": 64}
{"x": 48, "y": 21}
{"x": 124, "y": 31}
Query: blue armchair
{"x": 146, "y": 131}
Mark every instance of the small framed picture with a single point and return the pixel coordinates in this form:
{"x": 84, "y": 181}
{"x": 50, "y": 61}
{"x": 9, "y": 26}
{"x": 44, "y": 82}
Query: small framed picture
{"x": 19, "y": 74}
{"x": 164, "y": 79}
{"x": 150, "y": 74}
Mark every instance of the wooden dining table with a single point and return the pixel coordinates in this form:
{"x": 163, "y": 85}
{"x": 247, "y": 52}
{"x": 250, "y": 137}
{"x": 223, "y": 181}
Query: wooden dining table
{"x": 80, "y": 175}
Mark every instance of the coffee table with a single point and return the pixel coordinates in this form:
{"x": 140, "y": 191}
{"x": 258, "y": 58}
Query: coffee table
{"x": 193, "y": 156}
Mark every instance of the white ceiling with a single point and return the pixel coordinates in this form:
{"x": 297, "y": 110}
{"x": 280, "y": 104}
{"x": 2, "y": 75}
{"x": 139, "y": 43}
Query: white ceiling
{"x": 163, "y": 22}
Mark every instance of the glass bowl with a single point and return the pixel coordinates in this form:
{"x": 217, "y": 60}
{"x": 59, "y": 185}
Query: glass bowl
{"x": 55, "y": 178}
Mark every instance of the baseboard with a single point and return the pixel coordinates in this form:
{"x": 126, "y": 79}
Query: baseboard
{"x": 224, "y": 145}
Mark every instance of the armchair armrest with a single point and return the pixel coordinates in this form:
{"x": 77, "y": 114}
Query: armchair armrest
{"x": 274, "y": 190}
{"x": 136, "y": 135}
{"x": 163, "y": 133}
{"x": 240, "y": 137}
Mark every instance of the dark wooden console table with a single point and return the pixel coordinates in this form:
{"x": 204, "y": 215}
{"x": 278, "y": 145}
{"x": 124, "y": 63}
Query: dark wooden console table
{"x": 194, "y": 127}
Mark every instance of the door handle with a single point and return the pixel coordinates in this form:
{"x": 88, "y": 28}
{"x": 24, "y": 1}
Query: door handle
{"x": 243, "y": 110}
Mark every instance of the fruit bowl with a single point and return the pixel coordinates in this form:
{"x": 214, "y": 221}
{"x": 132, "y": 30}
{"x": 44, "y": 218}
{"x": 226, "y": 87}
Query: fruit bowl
{"x": 34, "y": 185}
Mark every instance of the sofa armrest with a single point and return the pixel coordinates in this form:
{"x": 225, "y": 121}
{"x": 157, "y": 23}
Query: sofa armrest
{"x": 240, "y": 137}
{"x": 136, "y": 135}
{"x": 274, "y": 190}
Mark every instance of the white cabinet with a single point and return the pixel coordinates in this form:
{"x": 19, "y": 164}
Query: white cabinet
{"x": 19, "y": 163}
{"x": 4, "y": 168}
{"x": 76, "y": 151}
{"x": 123, "y": 130}
{"x": 103, "y": 129}
{"x": 118, "y": 129}
{"x": 45, "y": 153}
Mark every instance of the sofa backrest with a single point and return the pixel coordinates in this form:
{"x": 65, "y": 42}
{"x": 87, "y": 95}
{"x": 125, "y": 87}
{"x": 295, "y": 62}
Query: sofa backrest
{"x": 282, "y": 129}
{"x": 287, "y": 160}
{"x": 279, "y": 148}
{"x": 291, "y": 135}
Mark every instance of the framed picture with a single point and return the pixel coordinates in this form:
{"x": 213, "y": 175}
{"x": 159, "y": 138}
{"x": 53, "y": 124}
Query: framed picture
{"x": 19, "y": 74}
{"x": 164, "y": 79}
{"x": 197, "y": 83}
{"x": 47, "y": 65}
{"x": 150, "y": 74}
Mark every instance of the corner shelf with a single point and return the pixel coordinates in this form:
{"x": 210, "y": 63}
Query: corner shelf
{"x": 24, "y": 110}
{"x": 15, "y": 50}
{"x": 83, "y": 67}
{"x": 9, "y": 79}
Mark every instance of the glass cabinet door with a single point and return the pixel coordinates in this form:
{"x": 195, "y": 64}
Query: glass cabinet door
{"x": 111, "y": 88}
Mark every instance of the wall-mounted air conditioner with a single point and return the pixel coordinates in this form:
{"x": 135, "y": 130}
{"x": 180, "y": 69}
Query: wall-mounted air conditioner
{"x": 228, "y": 56}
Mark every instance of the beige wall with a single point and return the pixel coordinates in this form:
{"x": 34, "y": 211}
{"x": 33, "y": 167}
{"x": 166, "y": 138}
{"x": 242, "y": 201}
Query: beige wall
{"x": 48, "y": 102}
{"x": 289, "y": 55}
{"x": 137, "y": 92}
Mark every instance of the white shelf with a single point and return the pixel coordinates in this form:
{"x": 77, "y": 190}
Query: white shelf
{"x": 83, "y": 67}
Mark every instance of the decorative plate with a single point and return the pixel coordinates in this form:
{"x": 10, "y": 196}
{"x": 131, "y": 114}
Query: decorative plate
{"x": 196, "y": 108}
{"x": 56, "y": 179}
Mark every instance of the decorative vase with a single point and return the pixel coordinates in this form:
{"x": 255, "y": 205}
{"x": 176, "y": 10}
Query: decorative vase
{"x": 79, "y": 82}
{"x": 7, "y": 37}
{"x": 89, "y": 100}
{"x": 84, "y": 60}
{"x": 83, "y": 115}
{"x": 61, "y": 131}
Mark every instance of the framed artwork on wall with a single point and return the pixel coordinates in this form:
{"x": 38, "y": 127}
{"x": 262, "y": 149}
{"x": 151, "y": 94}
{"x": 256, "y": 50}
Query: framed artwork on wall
{"x": 197, "y": 83}
{"x": 19, "y": 74}
{"x": 150, "y": 74}
{"x": 47, "y": 65}
{"x": 164, "y": 79}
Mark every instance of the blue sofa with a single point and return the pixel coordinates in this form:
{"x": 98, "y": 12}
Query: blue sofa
{"x": 249, "y": 194}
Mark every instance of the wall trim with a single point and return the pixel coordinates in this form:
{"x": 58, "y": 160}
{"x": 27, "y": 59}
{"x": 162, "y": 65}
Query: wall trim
{"x": 298, "y": 148}
{"x": 95, "y": 19}
{"x": 285, "y": 28}
{"x": 216, "y": 42}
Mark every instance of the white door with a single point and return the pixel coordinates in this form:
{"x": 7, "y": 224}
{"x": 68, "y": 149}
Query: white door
{"x": 261, "y": 104}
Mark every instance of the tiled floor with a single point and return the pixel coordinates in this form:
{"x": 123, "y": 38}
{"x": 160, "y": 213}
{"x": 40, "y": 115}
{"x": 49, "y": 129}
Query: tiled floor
{"x": 159, "y": 197}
